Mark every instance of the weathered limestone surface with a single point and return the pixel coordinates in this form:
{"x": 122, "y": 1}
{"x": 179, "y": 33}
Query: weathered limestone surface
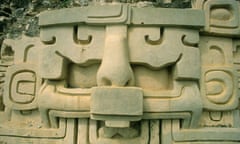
{"x": 125, "y": 73}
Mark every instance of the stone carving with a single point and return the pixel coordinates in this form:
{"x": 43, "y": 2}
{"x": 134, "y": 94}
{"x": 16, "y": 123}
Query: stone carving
{"x": 121, "y": 72}
{"x": 218, "y": 75}
{"x": 222, "y": 17}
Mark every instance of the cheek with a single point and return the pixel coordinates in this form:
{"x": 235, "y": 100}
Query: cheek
{"x": 82, "y": 76}
{"x": 151, "y": 79}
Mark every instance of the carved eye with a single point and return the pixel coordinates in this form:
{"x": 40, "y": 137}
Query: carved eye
{"x": 150, "y": 79}
{"x": 148, "y": 40}
{"x": 82, "y": 76}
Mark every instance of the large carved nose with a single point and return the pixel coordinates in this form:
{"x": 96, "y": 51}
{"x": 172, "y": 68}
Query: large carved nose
{"x": 115, "y": 69}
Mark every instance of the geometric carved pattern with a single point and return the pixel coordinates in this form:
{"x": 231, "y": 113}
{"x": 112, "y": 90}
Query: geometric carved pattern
{"x": 23, "y": 84}
{"x": 219, "y": 92}
{"x": 216, "y": 93}
{"x": 172, "y": 133}
{"x": 218, "y": 83}
{"x": 222, "y": 17}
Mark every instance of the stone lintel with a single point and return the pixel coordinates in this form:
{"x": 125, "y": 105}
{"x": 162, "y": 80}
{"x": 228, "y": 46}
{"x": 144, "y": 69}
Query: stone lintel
{"x": 123, "y": 14}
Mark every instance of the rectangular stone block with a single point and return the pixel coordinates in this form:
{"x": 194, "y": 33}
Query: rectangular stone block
{"x": 221, "y": 16}
{"x": 117, "y": 101}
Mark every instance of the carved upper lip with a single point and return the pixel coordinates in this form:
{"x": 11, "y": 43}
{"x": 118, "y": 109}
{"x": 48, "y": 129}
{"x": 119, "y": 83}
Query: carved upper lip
{"x": 170, "y": 93}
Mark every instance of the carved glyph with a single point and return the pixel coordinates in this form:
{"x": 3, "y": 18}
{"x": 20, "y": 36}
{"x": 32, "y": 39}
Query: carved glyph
{"x": 125, "y": 73}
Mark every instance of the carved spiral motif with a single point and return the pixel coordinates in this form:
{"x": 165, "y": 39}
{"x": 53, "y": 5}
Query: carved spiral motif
{"x": 219, "y": 86}
{"x": 23, "y": 91}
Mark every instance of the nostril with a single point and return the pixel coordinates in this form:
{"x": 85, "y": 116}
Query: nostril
{"x": 130, "y": 81}
{"x": 122, "y": 75}
{"x": 127, "y": 83}
{"x": 105, "y": 82}
{"x": 116, "y": 80}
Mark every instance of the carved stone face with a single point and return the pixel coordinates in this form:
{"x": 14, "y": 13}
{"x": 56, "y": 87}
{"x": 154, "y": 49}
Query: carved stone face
{"x": 132, "y": 61}
{"x": 117, "y": 73}
{"x": 119, "y": 69}
{"x": 128, "y": 57}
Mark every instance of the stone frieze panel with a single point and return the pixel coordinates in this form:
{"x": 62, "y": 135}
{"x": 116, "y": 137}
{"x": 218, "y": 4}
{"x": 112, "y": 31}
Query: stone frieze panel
{"x": 120, "y": 73}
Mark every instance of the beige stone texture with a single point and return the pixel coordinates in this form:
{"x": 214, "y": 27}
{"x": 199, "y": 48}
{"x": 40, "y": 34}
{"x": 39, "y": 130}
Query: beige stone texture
{"x": 119, "y": 73}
